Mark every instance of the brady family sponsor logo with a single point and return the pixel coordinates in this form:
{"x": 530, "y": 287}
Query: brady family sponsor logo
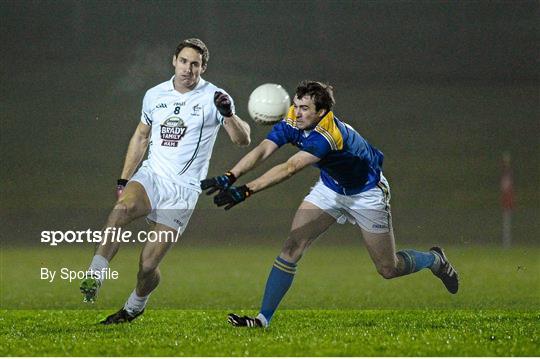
{"x": 172, "y": 131}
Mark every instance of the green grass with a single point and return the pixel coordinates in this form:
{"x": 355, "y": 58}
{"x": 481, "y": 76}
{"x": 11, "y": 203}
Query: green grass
{"x": 294, "y": 333}
{"x": 338, "y": 305}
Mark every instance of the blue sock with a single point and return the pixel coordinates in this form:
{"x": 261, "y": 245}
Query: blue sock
{"x": 416, "y": 260}
{"x": 279, "y": 281}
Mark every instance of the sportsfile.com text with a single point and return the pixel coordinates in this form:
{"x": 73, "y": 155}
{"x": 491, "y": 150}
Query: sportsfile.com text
{"x": 108, "y": 235}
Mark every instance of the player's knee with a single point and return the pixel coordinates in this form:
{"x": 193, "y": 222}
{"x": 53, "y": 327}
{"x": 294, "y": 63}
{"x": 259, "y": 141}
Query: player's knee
{"x": 387, "y": 271}
{"x": 294, "y": 248}
{"x": 147, "y": 267}
{"x": 124, "y": 209}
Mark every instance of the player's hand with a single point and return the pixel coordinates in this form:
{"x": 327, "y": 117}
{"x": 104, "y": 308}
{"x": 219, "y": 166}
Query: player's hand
{"x": 218, "y": 183}
{"x": 223, "y": 103}
{"x": 232, "y": 196}
{"x": 120, "y": 185}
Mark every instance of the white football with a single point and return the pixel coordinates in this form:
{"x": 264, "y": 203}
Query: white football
{"x": 268, "y": 104}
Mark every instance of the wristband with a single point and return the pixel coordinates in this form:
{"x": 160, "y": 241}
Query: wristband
{"x": 247, "y": 191}
{"x": 232, "y": 178}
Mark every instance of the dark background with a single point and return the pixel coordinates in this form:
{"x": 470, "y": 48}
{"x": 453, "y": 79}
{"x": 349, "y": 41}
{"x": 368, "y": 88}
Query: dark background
{"x": 442, "y": 88}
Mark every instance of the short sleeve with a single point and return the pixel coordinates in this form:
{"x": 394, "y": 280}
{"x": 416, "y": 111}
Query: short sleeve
{"x": 280, "y": 134}
{"x": 317, "y": 145}
{"x": 146, "y": 116}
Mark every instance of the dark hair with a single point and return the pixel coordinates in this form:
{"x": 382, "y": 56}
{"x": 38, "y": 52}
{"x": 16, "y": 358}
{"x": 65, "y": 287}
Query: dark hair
{"x": 196, "y": 44}
{"x": 322, "y": 94}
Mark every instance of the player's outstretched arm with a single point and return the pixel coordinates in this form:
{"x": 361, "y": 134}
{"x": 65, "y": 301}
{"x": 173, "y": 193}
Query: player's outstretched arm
{"x": 248, "y": 162}
{"x": 237, "y": 129}
{"x": 234, "y": 195}
{"x": 136, "y": 150}
{"x": 283, "y": 171}
{"x": 254, "y": 157}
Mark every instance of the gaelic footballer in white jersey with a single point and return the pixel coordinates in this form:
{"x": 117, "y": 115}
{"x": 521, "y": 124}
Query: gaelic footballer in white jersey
{"x": 179, "y": 124}
{"x": 184, "y": 130}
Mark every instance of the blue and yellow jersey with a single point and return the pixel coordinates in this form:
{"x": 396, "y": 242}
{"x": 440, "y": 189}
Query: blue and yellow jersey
{"x": 349, "y": 164}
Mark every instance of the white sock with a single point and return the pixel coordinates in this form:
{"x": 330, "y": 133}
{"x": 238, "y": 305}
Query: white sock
{"x": 262, "y": 319}
{"x": 135, "y": 304}
{"x": 99, "y": 264}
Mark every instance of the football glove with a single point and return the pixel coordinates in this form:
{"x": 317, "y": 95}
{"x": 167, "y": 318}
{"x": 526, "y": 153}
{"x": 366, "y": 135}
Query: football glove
{"x": 223, "y": 103}
{"x": 218, "y": 183}
{"x": 232, "y": 196}
{"x": 120, "y": 186}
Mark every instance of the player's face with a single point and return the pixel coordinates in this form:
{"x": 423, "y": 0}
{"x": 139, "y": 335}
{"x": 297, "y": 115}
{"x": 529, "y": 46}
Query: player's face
{"x": 187, "y": 69}
{"x": 307, "y": 117}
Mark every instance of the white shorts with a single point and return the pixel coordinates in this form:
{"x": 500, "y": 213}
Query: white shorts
{"x": 370, "y": 209}
{"x": 172, "y": 204}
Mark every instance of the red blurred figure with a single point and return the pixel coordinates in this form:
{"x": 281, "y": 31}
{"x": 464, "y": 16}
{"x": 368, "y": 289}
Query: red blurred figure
{"x": 507, "y": 199}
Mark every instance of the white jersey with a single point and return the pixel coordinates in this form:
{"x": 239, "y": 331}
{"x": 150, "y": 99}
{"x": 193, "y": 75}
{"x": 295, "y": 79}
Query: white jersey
{"x": 184, "y": 130}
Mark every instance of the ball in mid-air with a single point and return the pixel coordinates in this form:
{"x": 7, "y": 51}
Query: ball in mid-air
{"x": 268, "y": 104}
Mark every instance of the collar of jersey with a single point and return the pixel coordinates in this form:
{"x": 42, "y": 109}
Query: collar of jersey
{"x": 326, "y": 127}
{"x": 326, "y": 122}
{"x": 199, "y": 85}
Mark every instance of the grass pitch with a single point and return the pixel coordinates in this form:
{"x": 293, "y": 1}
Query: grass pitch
{"x": 338, "y": 306}
{"x": 294, "y": 333}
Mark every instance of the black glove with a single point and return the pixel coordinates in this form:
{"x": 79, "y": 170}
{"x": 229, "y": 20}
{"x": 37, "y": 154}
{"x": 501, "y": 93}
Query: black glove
{"x": 120, "y": 185}
{"x": 220, "y": 182}
{"x": 223, "y": 103}
{"x": 232, "y": 196}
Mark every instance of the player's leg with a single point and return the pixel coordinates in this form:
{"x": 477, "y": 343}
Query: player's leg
{"x": 170, "y": 218}
{"x": 152, "y": 254}
{"x": 148, "y": 276}
{"x": 371, "y": 211}
{"x": 391, "y": 264}
{"x": 309, "y": 223}
{"x": 133, "y": 203}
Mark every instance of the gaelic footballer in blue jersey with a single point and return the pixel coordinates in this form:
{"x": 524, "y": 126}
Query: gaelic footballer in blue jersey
{"x": 351, "y": 188}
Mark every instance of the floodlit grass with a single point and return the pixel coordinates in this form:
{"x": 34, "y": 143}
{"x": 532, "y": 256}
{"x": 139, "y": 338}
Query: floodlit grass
{"x": 294, "y": 333}
{"x": 338, "y": 306}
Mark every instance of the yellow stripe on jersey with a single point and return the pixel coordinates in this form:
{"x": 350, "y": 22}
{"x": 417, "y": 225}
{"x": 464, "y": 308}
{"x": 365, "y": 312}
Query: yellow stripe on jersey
{"x": 328, "y": 128}
{"x": 291, "y": 117}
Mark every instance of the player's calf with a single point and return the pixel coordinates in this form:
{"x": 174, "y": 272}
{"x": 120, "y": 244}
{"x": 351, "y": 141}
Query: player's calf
{"x": 388, "y": 271}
